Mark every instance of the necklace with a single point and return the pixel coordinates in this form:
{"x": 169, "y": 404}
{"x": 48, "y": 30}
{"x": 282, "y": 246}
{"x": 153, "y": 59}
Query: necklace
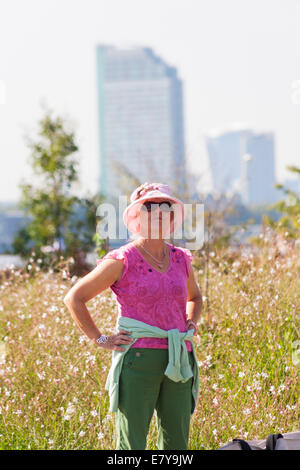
{"x": 159, "y": 263}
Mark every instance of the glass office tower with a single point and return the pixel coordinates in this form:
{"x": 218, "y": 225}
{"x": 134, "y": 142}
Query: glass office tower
{"x": 141, "y": 131}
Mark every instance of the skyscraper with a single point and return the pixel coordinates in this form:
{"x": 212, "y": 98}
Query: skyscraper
{"x": 225, "y": 148}
{"x": 141, "y": 129}
{"x": 258, "y": 170}
{"x": 242, "y": 161}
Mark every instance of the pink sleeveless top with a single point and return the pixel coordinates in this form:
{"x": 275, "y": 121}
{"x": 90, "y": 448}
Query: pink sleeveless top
{"x": 145, "y": 294}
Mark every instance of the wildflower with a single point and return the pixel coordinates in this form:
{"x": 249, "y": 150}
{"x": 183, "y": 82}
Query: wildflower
{"x": 100, "y": 435}
{"x": 94, "y": 413}
{"x": 71, "y": 409}
{"x": 82, "y": 433}
{"x": 241, "y": 374}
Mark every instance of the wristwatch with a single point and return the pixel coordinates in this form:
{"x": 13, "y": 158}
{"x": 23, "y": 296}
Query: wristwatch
{"x": 102, "y": 339}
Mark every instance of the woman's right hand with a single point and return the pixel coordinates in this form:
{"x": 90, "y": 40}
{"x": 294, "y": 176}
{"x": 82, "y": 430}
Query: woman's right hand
{"x": 113, "y": 341}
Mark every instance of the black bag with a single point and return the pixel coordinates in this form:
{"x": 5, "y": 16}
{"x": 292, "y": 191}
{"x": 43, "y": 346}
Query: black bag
{"x": 287, "y": 441}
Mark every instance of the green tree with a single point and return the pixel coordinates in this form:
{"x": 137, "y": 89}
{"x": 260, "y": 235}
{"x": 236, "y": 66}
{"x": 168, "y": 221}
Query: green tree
{"x": 57, "y": 221}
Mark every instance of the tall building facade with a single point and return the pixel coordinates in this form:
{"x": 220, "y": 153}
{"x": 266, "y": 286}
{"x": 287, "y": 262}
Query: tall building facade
{"x": 242, "y": 161}
{"x": 258, "y": 170}
{"x": 225, "y": 148}
{"x": 141, "y": 129}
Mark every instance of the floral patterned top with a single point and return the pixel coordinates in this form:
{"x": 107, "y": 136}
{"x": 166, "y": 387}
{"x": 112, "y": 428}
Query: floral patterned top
{"x": 156, "y": 298}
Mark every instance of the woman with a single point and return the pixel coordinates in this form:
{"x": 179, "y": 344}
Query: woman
{"x": 159, "y": 298}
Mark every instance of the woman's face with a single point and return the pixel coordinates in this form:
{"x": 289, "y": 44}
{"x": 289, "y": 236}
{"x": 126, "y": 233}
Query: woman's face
{"x": 156, "y": 223}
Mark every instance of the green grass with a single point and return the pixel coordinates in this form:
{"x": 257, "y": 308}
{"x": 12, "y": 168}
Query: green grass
{"x": 52, "y": 378}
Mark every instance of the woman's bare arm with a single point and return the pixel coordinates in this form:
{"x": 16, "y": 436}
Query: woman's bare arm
{"x": 95, "y": 282}
{"x": 194, "y": 298}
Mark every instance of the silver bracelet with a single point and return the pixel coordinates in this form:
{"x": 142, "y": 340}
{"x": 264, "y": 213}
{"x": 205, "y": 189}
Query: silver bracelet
{"x": 102, "y": 339}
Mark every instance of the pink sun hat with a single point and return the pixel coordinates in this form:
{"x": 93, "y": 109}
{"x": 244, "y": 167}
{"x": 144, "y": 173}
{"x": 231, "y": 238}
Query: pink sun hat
{"x": 145, "y": 192}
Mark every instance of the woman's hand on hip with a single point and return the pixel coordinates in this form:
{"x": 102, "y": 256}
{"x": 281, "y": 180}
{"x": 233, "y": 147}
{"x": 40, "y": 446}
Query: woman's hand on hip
{"x": 189, "y": 325}
{"x": 113, "y": 341}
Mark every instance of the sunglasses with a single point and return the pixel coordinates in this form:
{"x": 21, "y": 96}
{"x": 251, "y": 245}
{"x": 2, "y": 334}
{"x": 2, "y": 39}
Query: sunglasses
{"x": 165, "y": 206}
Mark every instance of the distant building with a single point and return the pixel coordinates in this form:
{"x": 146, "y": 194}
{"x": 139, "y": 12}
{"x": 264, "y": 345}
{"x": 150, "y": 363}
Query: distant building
{"x": 242, "y": 161}
{"x": 259, "y": 170}
{"x": 225, "y": 148}
{"x": 140, "y": 105}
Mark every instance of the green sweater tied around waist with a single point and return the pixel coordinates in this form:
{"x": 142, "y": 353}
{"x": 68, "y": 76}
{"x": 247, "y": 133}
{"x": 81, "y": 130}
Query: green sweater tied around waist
{"x": 178, "y": 368}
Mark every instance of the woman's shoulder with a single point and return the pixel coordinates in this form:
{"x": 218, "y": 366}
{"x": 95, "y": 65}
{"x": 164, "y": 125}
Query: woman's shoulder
{"x": 183, "y": 256}
{"x": 122, "y": 253}
{"x": 180, "y": 250}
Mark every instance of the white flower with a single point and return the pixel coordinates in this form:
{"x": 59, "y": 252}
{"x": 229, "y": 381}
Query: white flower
{"x": 82, "y": 433}
{"x": 71, "y": 409}
{"x": 241, "y": 374}
{"x": 94, "y": 413}
{"x": 100, "y": 435}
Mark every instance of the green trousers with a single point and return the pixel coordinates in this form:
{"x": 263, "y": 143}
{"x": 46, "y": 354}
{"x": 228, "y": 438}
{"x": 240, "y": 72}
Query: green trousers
{"x": 143, "y": 389}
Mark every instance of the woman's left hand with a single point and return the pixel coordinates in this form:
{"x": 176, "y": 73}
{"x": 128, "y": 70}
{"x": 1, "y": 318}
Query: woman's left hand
{"x": 190, "y": 325}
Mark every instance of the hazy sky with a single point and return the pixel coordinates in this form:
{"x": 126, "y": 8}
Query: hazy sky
{"x": 238, "y": 60}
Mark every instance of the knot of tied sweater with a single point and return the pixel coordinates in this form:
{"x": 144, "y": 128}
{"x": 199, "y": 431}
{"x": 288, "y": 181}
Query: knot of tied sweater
{"x": 178, "y": 368}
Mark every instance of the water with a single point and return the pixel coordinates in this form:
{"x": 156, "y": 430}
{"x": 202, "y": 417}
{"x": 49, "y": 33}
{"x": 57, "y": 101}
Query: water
{"x": 8, "y": 260}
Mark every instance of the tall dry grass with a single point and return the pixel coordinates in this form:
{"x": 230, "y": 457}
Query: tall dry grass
{"x": 52, "y": 378}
